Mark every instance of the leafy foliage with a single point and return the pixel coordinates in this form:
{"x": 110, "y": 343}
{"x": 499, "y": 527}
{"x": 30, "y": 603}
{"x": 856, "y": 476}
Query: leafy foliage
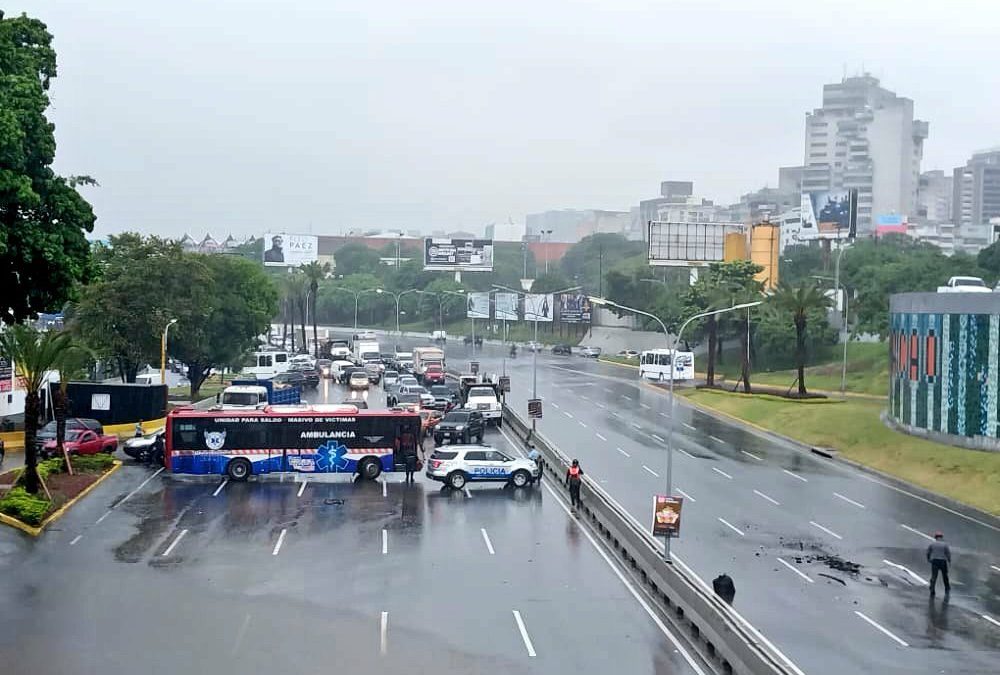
{"x": 796, "y": 304}
{"x": 27, "y": 507}
{"x": 586, "y": 260}
{"x": 355, "y": 258}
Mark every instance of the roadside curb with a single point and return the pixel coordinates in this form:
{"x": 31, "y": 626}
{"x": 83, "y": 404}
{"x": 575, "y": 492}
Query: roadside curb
{"x": 14, "y": 440}
{"x": 894, "y": 481}
{"x": 35, "y": 531}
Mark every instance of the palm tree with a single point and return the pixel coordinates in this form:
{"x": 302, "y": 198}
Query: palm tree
{"x": 34, "y": 353}
{"x": 798, "y": 302}
{"x": 75, "y": 362}
{"x": 315, "y": 272}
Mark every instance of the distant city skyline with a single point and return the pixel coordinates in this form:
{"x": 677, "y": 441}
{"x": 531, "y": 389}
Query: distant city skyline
{"x": 221, "y": 118}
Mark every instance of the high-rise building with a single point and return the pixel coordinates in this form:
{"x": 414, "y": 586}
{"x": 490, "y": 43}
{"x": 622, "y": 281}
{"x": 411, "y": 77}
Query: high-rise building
{"x": 865, "y": 138}
{"x": 976, "y": 190}
{"x": 934, "y": 194}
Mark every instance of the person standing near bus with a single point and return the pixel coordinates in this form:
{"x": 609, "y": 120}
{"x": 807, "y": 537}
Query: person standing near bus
{"x": 410, "y": 455}
{"x": 574, "y": 479}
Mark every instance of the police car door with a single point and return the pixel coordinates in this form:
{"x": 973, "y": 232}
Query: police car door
{"x": 477, "y": 465}
{"x": 498, "y": 464}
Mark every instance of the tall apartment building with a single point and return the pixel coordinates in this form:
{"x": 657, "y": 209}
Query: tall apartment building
{"x": 934, "y": 196}
{"x": 864, "y": 137}
{"x": 976, "y": 189}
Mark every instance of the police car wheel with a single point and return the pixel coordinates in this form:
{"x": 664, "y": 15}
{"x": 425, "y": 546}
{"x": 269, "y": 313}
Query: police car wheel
{"x": 457, "y": 480}
{"x": 238, "y": 469}
{"x": 370, "y": 469}
{"x": 520, "y": 478}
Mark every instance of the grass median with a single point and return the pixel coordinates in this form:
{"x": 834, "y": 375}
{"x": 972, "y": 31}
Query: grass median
{"x": 854, "y": 429}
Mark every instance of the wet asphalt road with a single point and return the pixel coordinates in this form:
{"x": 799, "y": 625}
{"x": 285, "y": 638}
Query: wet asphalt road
{"x": 770, "y": 515}
{"x": 156, "y": 574}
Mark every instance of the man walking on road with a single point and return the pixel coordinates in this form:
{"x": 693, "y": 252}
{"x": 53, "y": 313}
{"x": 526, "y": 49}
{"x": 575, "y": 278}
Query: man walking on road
{"x": 939, "y": 556}
{"x": 574, "y": 478}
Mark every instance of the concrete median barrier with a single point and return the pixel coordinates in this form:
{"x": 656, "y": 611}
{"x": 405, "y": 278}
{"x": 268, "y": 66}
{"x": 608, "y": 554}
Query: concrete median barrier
{"x": 721, "y": 634}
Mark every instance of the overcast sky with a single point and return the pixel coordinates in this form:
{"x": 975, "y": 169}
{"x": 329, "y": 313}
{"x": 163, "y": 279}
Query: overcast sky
{"x": 321, "y": 115}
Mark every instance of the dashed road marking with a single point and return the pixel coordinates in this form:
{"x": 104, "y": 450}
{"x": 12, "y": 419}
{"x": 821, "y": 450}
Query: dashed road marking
{"x": 175, "y": 542}
{"x": 524, "y": 633}
{"x": 658, "y": 438}
{"x": 881, "y": 628}
{"x": 795, "y": 475}
{"x": 689, "y": 426}
{"x": 467, "y": 492}
{"x": 554, "y": 405}
{"x": 623, "y": 452}
{"x": 732, "y": 527}
{"x": 721, "y": 472}
{"x": 828, "y": 531}
{"x": 764, "y": 496}
{"x": 626, "y": 396}
{"x": 792, "y": 567}
{"x": 240, "y": 634}
{"x": 385, "y": 542}
{"x": 601, "y": 437}
{"x": 913, "y": 574}
{"x": 76, "y": 539}
{"x": 991, "y": 620}
{"x": 848, "y": 500}
{"x": 583, "y": 424}
{"x": 219, "y": 489}
{"x": 302, "y": 488}
{"x": 716, "y": 439}
{"x": 637, "y": 426}
{"x": 686, "y": 495}
{"x": 281, "y": 540}
{"x": 643, "y": 405}
{"x": 383, "y": 633}
{"x": 650, "y": 470}
{"x": 101, "y": 519}
{"x": 568, "y": 415}
{"x": 995, "y": 568}
{"x": 584, "y": 397}
{"x": 916, "y": 531}
{"x": 601, "y": 406}
{"x": 385, "y": 488}
{"x": 141, "y": 485}
{"x": 686, "y": 453}
{"x": 486, "y": 538}
{"x": 663, "y": 414}
{"x": 752, "y": 456}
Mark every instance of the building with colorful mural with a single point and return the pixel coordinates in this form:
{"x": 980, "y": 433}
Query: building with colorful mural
{"x": 945, "y": 367}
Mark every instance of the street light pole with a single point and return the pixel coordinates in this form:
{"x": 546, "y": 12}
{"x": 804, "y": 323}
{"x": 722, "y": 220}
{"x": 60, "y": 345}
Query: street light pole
{"x": 163, "y": 351}
{"x": 673, "y": 405}
{"x": 840, "y": 288}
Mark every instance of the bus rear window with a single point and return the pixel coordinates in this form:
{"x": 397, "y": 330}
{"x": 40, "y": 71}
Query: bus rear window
{"x": 444, "y": 454}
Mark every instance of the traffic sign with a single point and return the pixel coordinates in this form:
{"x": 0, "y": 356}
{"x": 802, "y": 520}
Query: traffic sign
{"x": 474, "y": 367}
{"x": 505, "y": 384}
{"x": 535, "y": 408}
{"x": 667, "y": 516}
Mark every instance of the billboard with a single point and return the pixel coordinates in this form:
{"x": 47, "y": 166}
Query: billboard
{"x": 282, "y": 249}
{"x": 538, "y": 307}
{"x": 689, "y": 244}
{"x": 475, "y": 255}
{"x": 6, "y": 374}
{"x": 667, "y": 516}
{"x": 829, "y": 215}
{"x": 506, "y": 306}
{"x": 478, "y": 306}
{"x": 574, "y": 308}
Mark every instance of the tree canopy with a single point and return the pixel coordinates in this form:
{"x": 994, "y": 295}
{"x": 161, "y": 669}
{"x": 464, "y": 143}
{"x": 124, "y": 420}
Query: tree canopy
{"x": 43, "y": 251}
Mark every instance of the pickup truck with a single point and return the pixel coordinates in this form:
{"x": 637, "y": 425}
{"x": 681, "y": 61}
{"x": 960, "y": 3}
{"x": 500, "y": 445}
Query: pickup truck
{"x": 249, "y": 394}
{"x": 964, "y": 285}
{"x": 486, "y": 399}
{"x": 83, "y": 442}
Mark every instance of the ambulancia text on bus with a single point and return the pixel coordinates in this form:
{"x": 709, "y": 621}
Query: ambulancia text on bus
{"x": 305, "y": 439}
{"x": 654, "y": 364}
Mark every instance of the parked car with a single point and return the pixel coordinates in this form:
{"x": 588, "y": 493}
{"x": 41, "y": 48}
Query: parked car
{"x": 565, "y": 350}
{"x": 82, "y": 442}
{"x": 147, "y": 448}
{"x": 460, "y": 426}
{"x": 478, "y": 340}
{"x": 590, "y": 352}
{"x": 48, "y": 432}
{"x": 629, "y": 354}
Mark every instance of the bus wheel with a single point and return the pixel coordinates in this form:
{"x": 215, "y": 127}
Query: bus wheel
{"x": 457, "y": 480}
{"x": 238, "y": 469}
{"x": 370, "y": 469}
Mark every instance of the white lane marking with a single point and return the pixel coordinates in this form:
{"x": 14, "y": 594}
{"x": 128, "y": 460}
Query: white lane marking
{"x": 915, "y": 531}
{"x": 795, "y": 475}
{"x": 601, "y": 437}
{"x": 302, "y": 488}
{"x": 584, "y": 397}
{"x": 281, "y": 540}
{"x": 176, "y": 541}
{"x": 881, "y": 628}
{"x": 764, "y": 496}
{"x": 636, "y": 426}
{"x": 716, "y": 439}
{"x": 792, "y": 567}
{"x": 732, "y": 527}
{"x": 524, "y": 633}
{"x": 385, "y": 542}
{"x": 686, "y": 453}
{"x": 720, "y": 471}
{"x": 568, "y": 415}
{"x": 927, "y": 501}
{"x": 219, "y": 489}
{"x": 240, "y": 634}
{"x": 554, "y": 405}
{"x": 76, "y": 539}
{"x": 658, "y": 438}
{"x": 848, "y": 500}
{"x": 601, "y": 406}
{"x": 141, "y": 485}
{"x": 383, "y": 632}
{"x": 686, "y": 495}
{"x": 995, "y": 568}
{"x": 829, "y": 532}
{"x": 486, "y": 538}
{"x": 467, "y": 493}
{"x": 614, "y": 414}
{"x": 643, "y": 405}
{"x": 623, "y": 452}
{"x": 635, "y": 594}
{"x": 385, "y": 488}
{"x": 625, "y": 396}
{"x": 106, "y": 514}
{"x": 991, "y": 620}
{"x": 913, "y": 574}
{"x": 752, "y": 456}
{"x": 688, "y": 426}
{"x": 663, "y": 414}
{"x": 583, "y": 425}
{"x": 650, "y": 470}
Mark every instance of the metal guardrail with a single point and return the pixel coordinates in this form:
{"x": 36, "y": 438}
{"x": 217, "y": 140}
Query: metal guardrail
{"x": 721, "y": 634}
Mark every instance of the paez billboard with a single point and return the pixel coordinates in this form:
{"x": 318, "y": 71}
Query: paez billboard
{"x": 538, "y": 307}
{"x": 282, "y": 249}
{"x": 475, "y": 255}
{"x": 829, "y": 215}
{"x": 667, "y": 516}
{"x": 506, "y": 306}
{"x": 574, "y": 308}
{"x": 478, "y": 306}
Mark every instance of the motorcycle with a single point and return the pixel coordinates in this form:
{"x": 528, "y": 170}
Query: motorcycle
{"x": 513, "y": 352}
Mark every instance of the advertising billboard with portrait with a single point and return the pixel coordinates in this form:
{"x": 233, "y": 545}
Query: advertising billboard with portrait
{"x": 282, "y": 249}
{"x": 478, "y": 306}
{"x": 474, "y": 255}
{"x": 574, "y": 308}
{"x": 506, "y": 306}
{"x": 538, "y": 307}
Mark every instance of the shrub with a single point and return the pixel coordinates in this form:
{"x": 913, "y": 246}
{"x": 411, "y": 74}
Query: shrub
{"x": 95, "y": 463}
{"x": 30, "y": 509}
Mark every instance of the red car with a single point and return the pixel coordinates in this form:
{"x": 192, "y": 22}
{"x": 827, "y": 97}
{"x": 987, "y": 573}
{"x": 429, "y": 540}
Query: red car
{"x": 434, "y": 375}
{"x": 83, "y": 442}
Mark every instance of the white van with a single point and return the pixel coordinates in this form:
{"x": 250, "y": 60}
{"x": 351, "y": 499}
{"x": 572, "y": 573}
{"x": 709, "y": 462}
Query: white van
{"x": 148, "y": 378}
{"x": 267, "y": 364}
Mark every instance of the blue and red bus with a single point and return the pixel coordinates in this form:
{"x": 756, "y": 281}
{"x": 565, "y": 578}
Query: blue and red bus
{"x": 305, "y": 439}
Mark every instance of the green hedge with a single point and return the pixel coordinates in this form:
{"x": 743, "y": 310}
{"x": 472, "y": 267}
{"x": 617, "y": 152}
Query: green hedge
{"x": 93, "y": 463}
{"x": 30, "y": 509}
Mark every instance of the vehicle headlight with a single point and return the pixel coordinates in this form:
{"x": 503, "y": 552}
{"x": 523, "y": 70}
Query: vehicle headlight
{"x": 459, "y": 427}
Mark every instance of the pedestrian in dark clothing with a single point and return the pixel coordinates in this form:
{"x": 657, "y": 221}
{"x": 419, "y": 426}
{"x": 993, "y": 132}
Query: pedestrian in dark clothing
{"x": 724, "y": 588}
{"x": 574, "y": 479}
{"x": 939, "y": 556}
{"x": 411, "y": 462}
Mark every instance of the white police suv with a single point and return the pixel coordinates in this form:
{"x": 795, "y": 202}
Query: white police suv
{"x": 455, "y": 465}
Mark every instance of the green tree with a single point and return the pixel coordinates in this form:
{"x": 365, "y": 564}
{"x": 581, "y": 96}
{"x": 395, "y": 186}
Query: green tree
{"x": 800, "y": 262}
{"x": 587, "y": 260}
{"x": 33, "y": 354}
{"x": 988, "y": 260}
{"x": 796, "y": 303}
{"x": 43, "y": 251}
{"x": 356, "y": 258}
{"x": 315, "y": 272}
